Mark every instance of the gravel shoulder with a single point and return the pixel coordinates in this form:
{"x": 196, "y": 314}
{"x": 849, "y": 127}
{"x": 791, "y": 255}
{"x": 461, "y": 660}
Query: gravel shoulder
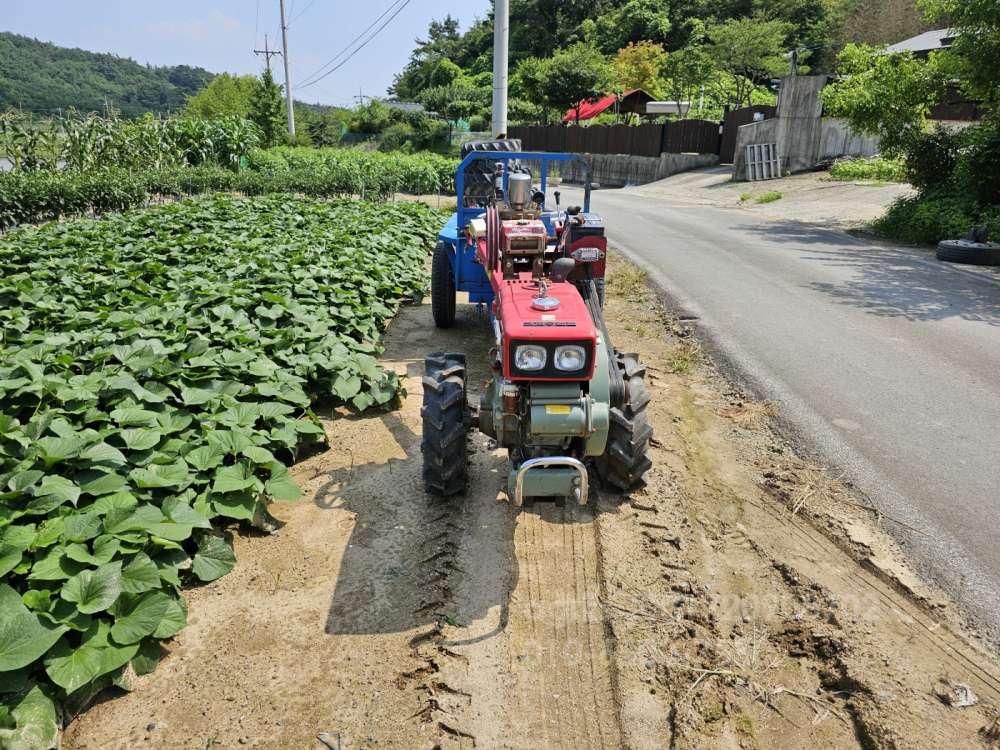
{"x": 742, "y": 599}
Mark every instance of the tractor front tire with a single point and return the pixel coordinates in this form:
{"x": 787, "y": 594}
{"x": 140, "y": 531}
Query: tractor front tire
{"x": 442, "y": 287}
{"x": 625, "y": 460}
{"x": 444, "y": 416}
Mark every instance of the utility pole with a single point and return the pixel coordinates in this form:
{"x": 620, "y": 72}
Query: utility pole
{"x": 268, "y": 53}
{"x": 288, "y": 75}
{"x": 501, "y": 35}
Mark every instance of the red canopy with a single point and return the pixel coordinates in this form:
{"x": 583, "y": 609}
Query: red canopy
{"x": 631, "y": 101}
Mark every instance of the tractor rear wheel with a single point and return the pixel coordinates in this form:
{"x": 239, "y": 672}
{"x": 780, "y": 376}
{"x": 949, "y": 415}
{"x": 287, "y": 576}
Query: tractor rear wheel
{"x": 625, "y": 460}
{"x": 444, "y": 416}
{"x": 442, "y": 286}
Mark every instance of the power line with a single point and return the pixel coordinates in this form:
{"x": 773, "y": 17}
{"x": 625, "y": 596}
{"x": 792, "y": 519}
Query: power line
{"x": 340, "y": 54}
{"x": 256, "y": 25}
{"x": 297, "y": 15}
{"x": 316, "y": 77}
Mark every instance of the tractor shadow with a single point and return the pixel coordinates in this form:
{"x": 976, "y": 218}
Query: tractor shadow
{"x": 412, "y": 559}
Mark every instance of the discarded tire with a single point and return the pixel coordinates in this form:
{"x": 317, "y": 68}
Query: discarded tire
{"x": 970, "y": 253}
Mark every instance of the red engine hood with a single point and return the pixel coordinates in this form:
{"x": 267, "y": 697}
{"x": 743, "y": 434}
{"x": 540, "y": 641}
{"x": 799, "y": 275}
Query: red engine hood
{"x": 569, "y": 323}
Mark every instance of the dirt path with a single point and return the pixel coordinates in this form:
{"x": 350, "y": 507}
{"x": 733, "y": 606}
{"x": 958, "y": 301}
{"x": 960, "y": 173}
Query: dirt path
{"x": 701, "y": 612}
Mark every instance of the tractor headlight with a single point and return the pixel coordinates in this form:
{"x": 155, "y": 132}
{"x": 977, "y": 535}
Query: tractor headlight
{"x": 530, "y": 358}
{"x": 570, "y": 358}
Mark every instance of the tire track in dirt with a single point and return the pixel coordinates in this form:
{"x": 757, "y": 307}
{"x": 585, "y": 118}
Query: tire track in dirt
{"x": 538, "y": 672}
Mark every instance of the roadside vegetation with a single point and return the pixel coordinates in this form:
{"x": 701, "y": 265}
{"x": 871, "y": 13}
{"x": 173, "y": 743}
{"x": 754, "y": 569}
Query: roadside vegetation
{"x": 157, "y": 375}
{"x": 956, "y": 172}
{"x": 875, "y": 169}
{"x": 768, "y": 197}
{"x": 82, "y": 165}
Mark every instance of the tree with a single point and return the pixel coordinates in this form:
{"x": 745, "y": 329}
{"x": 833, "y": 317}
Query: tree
{"x": 748, "y": 51}
{"x": 442, "y": 42}
{"x": 267, "y": 109}
{"x": 886, "y": 95}
{"x": 884, "y": 22}
{"x": 225, "y": 95}
{"x": 687, "y": 71}
{"x": 458, "y": 101}
{"x": 632, "y": 21}
{"x": 975, "y": 53}
{"x": 811, "y": 25}
{"x": 572, "y": 75}
{"x": 638, "y": 66}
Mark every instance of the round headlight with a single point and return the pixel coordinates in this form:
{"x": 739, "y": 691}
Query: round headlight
{"x": 528, "y": 357}
{"x": 570, "y": 358}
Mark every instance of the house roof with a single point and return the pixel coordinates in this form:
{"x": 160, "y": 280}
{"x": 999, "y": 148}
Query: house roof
{"x": 631, "y": 102}
{"x": 926, "y": 42}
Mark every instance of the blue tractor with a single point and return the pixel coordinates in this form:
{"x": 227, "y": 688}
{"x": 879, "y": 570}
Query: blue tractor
{"x": 482, "y": 178}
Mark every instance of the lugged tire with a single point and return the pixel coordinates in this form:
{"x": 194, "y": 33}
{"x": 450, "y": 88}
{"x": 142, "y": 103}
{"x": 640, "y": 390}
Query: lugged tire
{"x": 442, "y": 286}
{"x": 444, "y": 424}
{"x": 598, "y": 286}
{"x": 479, "y": 174}
{"x": 970, "y": 253}
{"x": 625, "y": 460}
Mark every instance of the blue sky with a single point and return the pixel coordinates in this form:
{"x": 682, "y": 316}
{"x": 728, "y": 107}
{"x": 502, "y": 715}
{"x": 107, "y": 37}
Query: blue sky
{"x": 219, "y": 34}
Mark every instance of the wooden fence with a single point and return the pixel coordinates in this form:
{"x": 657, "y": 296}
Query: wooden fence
{"x": 683, "y": 136}
{"x": 731, "y": 126}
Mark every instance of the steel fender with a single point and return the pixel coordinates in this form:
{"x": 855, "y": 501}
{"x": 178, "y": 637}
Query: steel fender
{"x": 600, "y": 400}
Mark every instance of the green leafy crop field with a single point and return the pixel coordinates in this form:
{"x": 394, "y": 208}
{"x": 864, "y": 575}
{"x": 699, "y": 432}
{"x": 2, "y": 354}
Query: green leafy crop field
{"x": 157, "y": 371}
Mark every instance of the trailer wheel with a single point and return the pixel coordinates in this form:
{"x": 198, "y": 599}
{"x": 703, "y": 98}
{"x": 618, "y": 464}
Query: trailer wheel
{"x": 444, "y": 424}
{"x": 442, "y": 286}
{"x": 625, "y": 460}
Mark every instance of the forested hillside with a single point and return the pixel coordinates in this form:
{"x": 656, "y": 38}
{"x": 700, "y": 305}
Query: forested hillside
{"x": 722, "y": 49}
{"x": 44, "y": 78}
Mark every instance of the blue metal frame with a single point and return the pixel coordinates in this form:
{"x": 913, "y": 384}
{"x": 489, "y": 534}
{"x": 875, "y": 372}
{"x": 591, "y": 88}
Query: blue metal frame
{"x": 469, "y": 275}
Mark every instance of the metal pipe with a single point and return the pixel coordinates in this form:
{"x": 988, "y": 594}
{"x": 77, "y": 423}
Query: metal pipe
{"x": 581, "y": 491}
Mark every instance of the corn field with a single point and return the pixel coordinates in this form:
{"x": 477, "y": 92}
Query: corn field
{"x": 81, "y": 143}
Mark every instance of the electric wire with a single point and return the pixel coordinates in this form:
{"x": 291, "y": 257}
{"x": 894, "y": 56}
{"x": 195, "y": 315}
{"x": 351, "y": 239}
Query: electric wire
{"x": 299, "y": 14}
{"x": 316, "y": 76}
{"x": 346, "y": 49}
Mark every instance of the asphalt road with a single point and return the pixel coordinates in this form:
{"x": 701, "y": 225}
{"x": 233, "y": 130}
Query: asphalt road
{"x": 885, "y": 363}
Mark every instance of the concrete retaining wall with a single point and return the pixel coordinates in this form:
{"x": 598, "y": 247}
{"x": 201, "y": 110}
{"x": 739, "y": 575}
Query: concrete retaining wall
{"x": 619, "y": 170}
{"x": 837, "y": 139}
{"x": 804, "y": 137}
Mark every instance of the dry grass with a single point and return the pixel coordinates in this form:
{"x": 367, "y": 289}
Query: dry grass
{"x": 748, "y": 663}
{"x": 626, "y": 280}
{"x": 751, "y": 415}
{"x": 817, "y": 489}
